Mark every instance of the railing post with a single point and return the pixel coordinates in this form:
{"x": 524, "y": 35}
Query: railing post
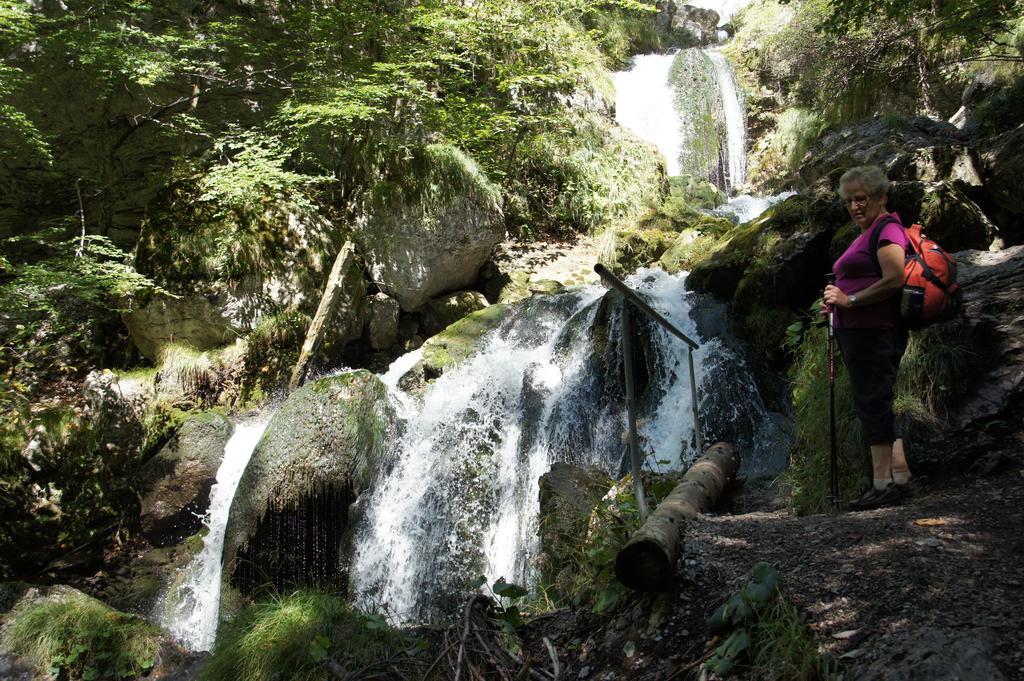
{"x": 634, "y": 449}
{"x": 695, "y": 399}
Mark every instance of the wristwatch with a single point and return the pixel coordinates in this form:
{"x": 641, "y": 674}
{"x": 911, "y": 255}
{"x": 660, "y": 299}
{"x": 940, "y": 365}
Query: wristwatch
{"x": 853, "y": 300}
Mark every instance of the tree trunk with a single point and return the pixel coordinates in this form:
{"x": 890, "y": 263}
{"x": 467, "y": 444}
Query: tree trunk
{"x": 324, "y": 313}
{"x": 647, "y": 562}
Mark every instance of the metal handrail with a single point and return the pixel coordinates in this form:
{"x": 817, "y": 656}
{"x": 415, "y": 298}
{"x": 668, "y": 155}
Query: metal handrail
{"x": 621, "y": 287}
{"x": 634, "y": 451}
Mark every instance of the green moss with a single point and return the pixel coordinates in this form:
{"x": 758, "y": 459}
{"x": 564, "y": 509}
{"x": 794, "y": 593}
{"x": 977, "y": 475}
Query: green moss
{"x": 272, "y": 349}
{"x": 625, "y": 250}
{"x": 82, "y": 637}
{"x": 693, "y": 78}
{"x": 459, "y": 342}
{"x": 586, "y": 174}
{"x": 766, "y": 328}
{"x": 294, "y": 636}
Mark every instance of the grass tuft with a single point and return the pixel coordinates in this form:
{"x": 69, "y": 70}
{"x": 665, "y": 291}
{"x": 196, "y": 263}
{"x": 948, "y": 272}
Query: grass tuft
{"x": 293, "y": 637}
{"x": 73, "y": 636}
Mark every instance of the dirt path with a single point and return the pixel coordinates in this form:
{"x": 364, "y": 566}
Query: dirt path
{"x": 929, "y": 591}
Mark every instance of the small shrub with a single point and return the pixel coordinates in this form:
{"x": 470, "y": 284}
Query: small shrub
{"x": 766, "y": 635}
{"x": 73, "y": 636}
{"x": 294, "y": 636}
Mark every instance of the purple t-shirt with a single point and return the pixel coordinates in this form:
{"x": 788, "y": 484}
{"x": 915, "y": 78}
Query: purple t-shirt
{"x": 855, "y": 271}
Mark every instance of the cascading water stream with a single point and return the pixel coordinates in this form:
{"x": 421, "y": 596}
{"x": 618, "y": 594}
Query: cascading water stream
{"x": 190, "y": 611}
{"x": 645, "y": 104}
{"x": 461, "y": 497}
{"x": 735, "y": 120}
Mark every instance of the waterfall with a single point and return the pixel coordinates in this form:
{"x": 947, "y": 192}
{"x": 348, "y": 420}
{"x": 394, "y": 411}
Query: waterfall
{"x": 645, "y": 104}
{"x": 461, "y": 497}
{"x": 190, "y": 610}
{"x": 735, "y": 120}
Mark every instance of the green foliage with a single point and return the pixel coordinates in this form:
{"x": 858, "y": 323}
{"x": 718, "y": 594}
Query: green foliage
{"x": 937, "y": 360}
{"x": 1004, "y": 110}
{"x": 765, "y": 635}
{"x": 809, "y": 465}
{"x": 272, "y": 348}
{"x": 75, "y": 637}
{"x": 776, "y": 159}
{"x": 62, "y": 311}
{"x": 295, "y": 636}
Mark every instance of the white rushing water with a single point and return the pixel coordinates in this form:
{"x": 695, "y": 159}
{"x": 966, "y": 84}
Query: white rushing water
{"x": 645, "y": 104}
{"x": 190, "y": 611}
{"x": 461, "y": 498}
{"x": 735, "y": 119}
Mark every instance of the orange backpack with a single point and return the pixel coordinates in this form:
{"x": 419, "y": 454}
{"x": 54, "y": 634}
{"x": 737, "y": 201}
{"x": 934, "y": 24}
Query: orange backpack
{"x": 930, "y": 293}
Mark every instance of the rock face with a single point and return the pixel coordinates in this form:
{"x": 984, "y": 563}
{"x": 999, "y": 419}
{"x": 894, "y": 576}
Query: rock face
{"x": 291, "y": 512}
{"x": 702, "y": 115}
{"x": 444, "y": 311}
{"x": 945, "y": 212}
{"x": 916, "y": 149}
{"x": 686, "y": 25}
{"x": 779, "y": 259}
{"x": 992, "y": 331}
{"x": 177, "y": 481}
{"x": 213, "y": 307}
{"x": 427, "y": 234}
{"x": 1002, "y": 166}
{"x": 116, "y": 406}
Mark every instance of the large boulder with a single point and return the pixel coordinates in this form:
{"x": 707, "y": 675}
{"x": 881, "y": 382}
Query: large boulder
{"x": 458, "y": 342}
{"x": 913, "y": 149}
{"x": 430, "y": 230}
{"x": 1002, "y": 166}
{"x": 945, "y": 212}
{"x": 443, "y": 311}
{"x": 175, "y": 484}
{"x": 291, "y": 512}
{"x": 382, "y": 328}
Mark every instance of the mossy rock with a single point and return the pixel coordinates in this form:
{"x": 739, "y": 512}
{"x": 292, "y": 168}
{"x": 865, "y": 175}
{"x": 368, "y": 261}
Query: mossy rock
{"x": 945, "y": 214}
{"x": 696, "y": 244}
{"x": 626, "y": 250}
{"x": 460, "y": 341}
{"x": 320, "y": 450}
{"x": 444, "y": 311}
{"x": 779, "y": 259}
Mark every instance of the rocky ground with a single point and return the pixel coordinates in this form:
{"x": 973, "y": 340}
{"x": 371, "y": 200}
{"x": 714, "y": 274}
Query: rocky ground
{"x": 933, "y": 589}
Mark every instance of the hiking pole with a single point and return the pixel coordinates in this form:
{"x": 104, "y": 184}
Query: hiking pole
{"x": 833, "y": 454}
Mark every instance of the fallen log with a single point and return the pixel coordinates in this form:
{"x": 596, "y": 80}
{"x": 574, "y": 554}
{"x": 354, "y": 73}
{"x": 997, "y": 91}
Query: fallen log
{"x": 324, "y": 314}
{"x": 648, "y": 561}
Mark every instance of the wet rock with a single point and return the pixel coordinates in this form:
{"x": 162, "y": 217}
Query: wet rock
{"x": 176, "y": 482}
{"x": 432, "y": 231}
{"x": 443, "y": 311}
{"x": 568, "y": 495}
{"x": 459, "y": 342}
{"x": 933, "y": 654}
{"x": 625, "y": 250}
{"x": 290, "y": 514}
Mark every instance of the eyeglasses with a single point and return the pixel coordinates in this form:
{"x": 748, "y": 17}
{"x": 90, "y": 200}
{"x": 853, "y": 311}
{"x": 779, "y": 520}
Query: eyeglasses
{"x": 859, "y": 200}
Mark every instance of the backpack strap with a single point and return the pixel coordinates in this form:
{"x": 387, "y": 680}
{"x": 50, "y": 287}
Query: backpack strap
{"x": 876, "y": 235}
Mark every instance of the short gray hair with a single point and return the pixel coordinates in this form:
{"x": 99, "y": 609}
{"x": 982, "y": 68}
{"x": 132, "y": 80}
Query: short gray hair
{"x": 873, "y": 178}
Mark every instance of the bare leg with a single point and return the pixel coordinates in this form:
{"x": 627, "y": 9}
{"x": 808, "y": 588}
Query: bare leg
{"x": 881, "y": 464}
{"x": 900, "y": 469}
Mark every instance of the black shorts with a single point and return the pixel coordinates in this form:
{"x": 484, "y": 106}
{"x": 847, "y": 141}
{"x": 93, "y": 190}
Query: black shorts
{"x": 872, "y": 357}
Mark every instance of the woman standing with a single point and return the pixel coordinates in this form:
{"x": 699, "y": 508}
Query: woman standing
{"x": 867, "y": 326}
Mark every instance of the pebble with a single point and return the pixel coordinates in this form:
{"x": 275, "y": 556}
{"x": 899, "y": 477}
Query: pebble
{"x": 930, "y": 541}
{"x": 584, "y": 672}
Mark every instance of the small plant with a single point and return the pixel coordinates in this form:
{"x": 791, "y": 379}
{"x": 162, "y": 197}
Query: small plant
{"x": 298, "y": 635}
{"x": 764, "y": 633}
{"x": 75, "y": 637}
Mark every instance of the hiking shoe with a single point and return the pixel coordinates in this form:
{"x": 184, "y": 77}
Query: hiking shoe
{"x": 877, "y": 498}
